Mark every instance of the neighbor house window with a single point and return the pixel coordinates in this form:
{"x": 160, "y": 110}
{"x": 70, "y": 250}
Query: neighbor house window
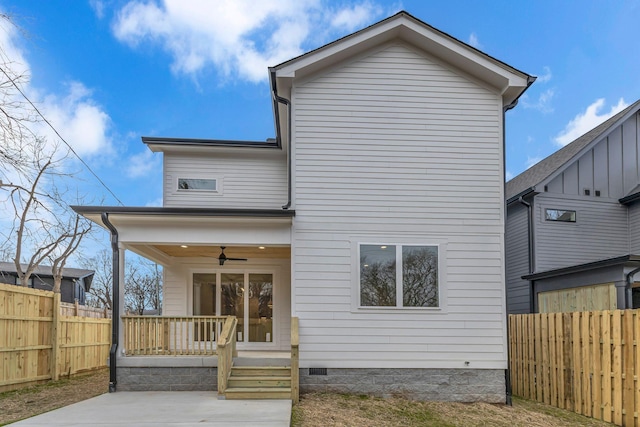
{"x": 197, "y": 184}
{"x": 398, "y": 276}
{"x": 560, "y": 215}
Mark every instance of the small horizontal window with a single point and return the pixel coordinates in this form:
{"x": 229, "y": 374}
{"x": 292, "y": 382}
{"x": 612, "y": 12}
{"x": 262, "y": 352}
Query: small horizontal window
{"x": 560, "y": 215}
{"x": 197, "y": 184}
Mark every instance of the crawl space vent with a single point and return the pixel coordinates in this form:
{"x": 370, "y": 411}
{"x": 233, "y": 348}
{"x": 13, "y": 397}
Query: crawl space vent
{"x": 317, "y": 371}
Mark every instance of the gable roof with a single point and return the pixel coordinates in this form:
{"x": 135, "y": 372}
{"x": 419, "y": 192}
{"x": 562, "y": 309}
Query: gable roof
{"x": 536, "y": 174}
{"x": 45, "y": 271}
{"x": 509, "y": 81}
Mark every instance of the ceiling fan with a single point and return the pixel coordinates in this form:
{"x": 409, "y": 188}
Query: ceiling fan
{"x": 222, "y": 258}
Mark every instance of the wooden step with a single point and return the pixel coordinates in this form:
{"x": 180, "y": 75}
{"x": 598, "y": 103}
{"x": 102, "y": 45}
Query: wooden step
{"x": 259, "y": 382}
{"x": 261, "y": 371}
{"x": 258, "y": 393}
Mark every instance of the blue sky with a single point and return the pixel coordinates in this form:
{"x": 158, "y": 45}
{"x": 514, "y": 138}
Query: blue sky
{"x": 107, "y": 72}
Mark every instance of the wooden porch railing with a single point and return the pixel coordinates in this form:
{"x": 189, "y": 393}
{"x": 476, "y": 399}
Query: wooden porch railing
{"x": 295, "y": 362}
{"x": 226, "y": 352}
{"x": 165, "y": 335}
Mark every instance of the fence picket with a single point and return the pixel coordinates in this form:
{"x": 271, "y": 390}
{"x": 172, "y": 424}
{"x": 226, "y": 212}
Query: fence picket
{"x": 587, "y": 362}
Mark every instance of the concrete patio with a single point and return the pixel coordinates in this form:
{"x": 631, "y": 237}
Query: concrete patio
{"x": 182, "y": 409}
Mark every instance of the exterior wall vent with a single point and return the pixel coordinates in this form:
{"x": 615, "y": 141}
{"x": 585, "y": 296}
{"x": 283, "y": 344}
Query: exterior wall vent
{"x": 587, "y": 192}
{"x": 597, "y": 193}
{"x": 317, "y": 371}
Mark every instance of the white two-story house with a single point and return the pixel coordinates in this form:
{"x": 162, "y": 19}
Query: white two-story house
{"x": 375, "y": 218}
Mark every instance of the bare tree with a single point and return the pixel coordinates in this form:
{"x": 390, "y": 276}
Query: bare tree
{"x": 43, "y": 227}
{"x": 100, "y": 294}
{"x": 16, "y": 115}
{"x": 143, "y": 288}
{"x": 75, "y": 235}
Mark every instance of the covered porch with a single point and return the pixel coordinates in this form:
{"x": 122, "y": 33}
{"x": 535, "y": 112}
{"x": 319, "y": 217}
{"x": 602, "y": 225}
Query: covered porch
{"x": 226, "y": 303}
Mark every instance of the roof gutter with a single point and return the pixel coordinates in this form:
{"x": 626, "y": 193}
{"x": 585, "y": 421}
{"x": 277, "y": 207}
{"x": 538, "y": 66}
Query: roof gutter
{"x": 115, "y": 302}
{"x": 281, "y": 100}
{"x": 530, "y": 80}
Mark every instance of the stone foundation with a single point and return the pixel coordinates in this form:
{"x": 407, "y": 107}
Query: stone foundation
{"x": 455, "y": 385}
{"x": 167, "y": 379}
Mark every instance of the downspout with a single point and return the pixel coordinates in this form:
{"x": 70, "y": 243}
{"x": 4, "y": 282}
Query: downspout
{"x": 628, "y": 295}
{"x": 532, "y": 305}
{"x": 115, "y": 302}
{"x": 507, "y": 372}
{"x": 277, "y": 99}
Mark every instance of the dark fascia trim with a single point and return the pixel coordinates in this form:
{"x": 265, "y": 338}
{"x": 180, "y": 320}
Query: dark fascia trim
{"x": 420, "y": 21}
{"x": 523, "y": 193}
{"x": 630, "y": 199}
{"x": 583, "y": 267}
{"x": 194, "y": 212}
{"x": 191, "y": 142}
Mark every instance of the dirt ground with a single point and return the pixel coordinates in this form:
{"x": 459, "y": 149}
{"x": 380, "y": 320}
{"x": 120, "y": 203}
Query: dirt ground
{"x": 27, "y": 402}
{"x": 321, "y": 410}
{"x": 316, "y": 410}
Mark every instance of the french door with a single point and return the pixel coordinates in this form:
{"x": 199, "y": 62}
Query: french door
{"x": 246, "y": 295}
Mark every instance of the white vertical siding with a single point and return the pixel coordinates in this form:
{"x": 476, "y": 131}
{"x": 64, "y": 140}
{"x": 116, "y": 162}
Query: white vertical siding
{"x": 251, "y": 178}
{"x": 178, "y": 295}
{"x": 396, "y": 147}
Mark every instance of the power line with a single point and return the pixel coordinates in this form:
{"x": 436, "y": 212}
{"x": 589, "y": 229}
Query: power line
{"x": 60, "y": 136}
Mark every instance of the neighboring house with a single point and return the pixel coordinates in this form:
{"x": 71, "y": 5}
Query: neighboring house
{"x": 573, "y": 224}
{"x": 375, "y": 217}
{"x": 75, "y": 284}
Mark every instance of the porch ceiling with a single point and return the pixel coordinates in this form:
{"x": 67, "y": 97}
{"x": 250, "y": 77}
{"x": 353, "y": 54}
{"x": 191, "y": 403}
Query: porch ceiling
{"x": 249, "y": 252}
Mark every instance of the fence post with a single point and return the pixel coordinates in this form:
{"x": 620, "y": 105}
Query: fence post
{"x": 55, "y": 343}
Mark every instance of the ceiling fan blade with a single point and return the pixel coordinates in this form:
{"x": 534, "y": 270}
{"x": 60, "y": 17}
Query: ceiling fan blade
{"x": 236, "y": 259}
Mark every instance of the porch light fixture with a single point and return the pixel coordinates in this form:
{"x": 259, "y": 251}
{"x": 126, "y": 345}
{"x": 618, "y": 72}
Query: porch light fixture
{"x": 383, "y": 247}
{"x": 260, "y": 247}
{"x": 184, "y": 246}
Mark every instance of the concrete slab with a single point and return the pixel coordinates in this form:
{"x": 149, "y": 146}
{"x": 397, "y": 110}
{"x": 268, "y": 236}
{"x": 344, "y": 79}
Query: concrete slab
{"x": 154, "y": 408}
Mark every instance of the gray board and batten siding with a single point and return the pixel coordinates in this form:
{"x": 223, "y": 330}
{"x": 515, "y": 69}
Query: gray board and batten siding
{"x": 591, "y": 175}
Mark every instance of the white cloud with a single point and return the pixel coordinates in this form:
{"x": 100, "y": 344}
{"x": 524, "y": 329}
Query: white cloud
{"x": 98, "y": 7}
{"x": 542, "y": 104}
{"x": 356, "y": 17}
{"x": 155, "y": 203}
{"x": 532, "y": 161}
{"x": 142, "y": 164}
{"x": 473, "y": 41}
{"x": 590, "y": 118}
{"x": 76, "y": 116}
{"x": 544, "y": 78}
{"x": 80, "y": 121}
{"x": 238, "y": 37}
{"x": 508, "y": 176}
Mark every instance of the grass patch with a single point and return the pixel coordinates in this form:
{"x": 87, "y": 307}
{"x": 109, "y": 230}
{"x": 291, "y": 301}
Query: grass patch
{"x": 342, "y": 410}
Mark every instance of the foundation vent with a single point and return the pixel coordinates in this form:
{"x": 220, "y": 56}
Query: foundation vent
{"x": 317, "y": 371}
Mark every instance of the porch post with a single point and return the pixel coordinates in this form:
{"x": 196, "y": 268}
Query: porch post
{"x": 121, "y": 268}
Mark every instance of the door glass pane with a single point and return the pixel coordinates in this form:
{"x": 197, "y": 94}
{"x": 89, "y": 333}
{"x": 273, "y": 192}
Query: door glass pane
{"x": 204, "y": 304}
{"x": 204, "y": 294}
{"x": 260, "y": 308}
{"x": 232, "y": 299}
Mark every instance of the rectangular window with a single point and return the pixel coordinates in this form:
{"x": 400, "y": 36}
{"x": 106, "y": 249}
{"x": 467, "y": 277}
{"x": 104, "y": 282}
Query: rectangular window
{"x": 382, "y": 284}
{"x": 560, "y": 215}
{"x": 197, "y": 184}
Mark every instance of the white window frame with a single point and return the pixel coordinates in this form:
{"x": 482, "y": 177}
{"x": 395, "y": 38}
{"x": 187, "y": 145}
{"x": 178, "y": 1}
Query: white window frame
{"x": 356, "y": 297}
{"x": 217, "y": 179}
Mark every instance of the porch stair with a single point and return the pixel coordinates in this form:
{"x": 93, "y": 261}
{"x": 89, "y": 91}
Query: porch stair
{"x": 259, "y": 382}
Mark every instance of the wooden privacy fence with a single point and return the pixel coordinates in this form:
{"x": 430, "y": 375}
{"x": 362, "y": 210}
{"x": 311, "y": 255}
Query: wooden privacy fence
{"x": 586, "y": 362}
{"x": 38, "y": 343}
